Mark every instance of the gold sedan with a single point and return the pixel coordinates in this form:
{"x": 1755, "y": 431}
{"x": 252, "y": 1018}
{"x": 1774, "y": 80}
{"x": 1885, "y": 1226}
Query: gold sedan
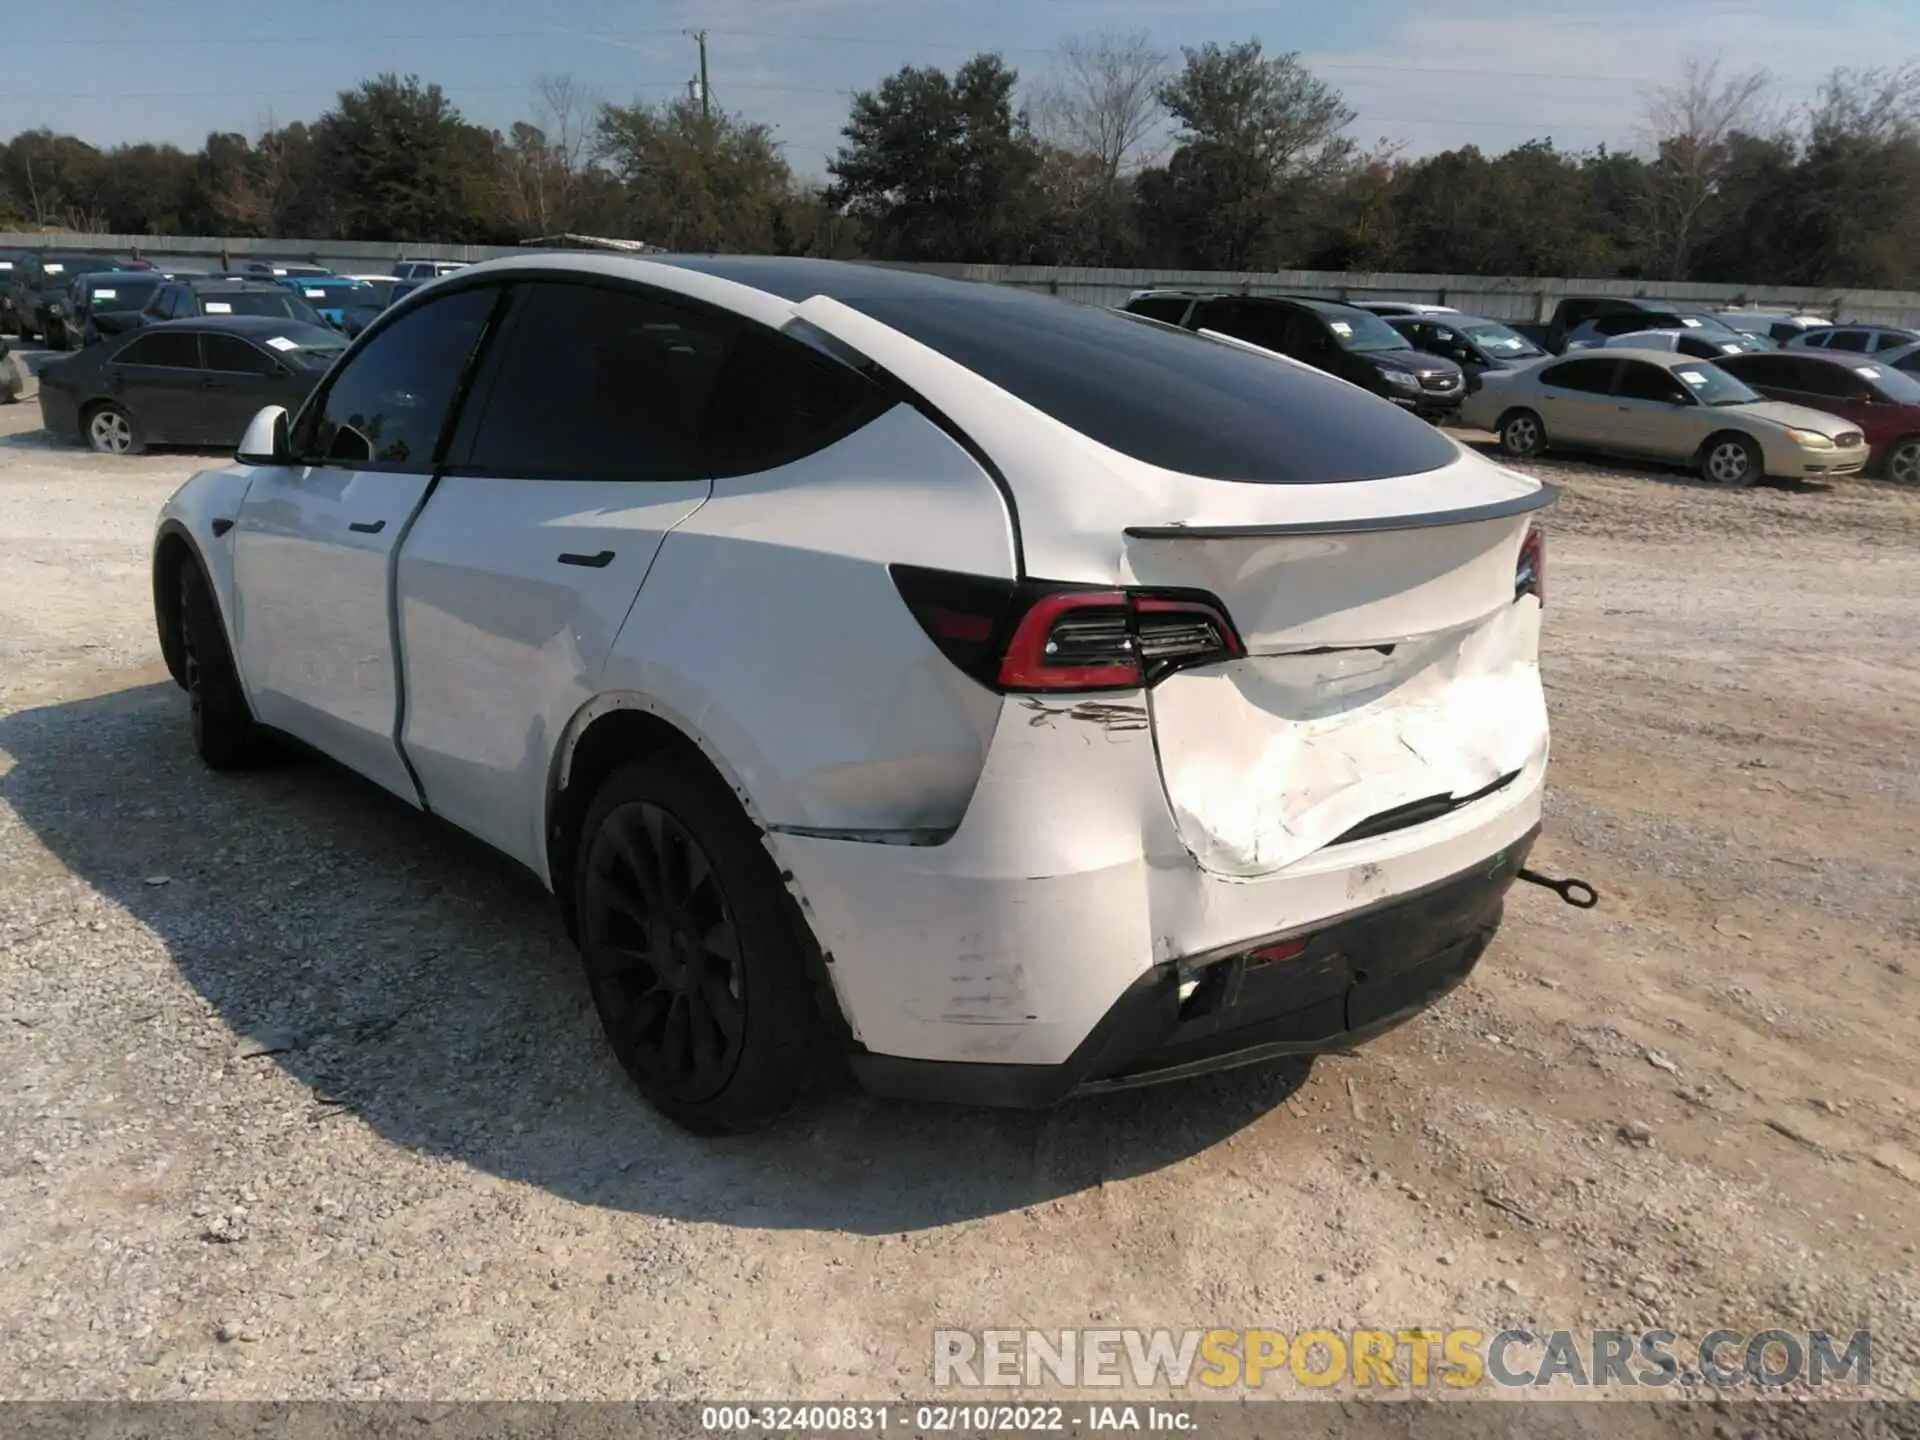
{"x": 1663, "y": 406}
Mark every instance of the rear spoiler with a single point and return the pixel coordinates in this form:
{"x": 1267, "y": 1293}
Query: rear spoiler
{"x": 1538, "y": 499}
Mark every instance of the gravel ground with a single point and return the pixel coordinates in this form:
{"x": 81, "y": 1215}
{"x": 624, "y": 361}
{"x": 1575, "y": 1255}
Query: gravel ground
{"x": 302, "y": 1096}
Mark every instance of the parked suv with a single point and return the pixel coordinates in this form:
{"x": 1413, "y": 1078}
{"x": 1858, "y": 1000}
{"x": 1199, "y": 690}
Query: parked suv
{"x": 991, "y": 689}
{"x": 46, "y": 279}
{"x": 1343, "y": 340}
{"x": 426, "y": 269}
{"x": 185, "y": 299}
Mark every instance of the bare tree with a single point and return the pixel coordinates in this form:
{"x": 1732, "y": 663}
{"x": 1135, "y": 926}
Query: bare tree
{"x": 546, "y": 158}
{"x": 1100, "y": 101}
{"x": 1690, "y": 125}
{"x": 1099, "y": 110}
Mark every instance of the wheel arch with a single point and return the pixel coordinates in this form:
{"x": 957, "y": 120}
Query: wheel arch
{"x": 173, "y": 549}
{"x": 605, "y": 733}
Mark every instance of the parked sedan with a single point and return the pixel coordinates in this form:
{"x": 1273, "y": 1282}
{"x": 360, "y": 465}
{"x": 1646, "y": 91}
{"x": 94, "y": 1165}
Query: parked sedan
{"x": 1008, "y": 696}
{"x": 1664, "y": 406}
{"x": 1855, "y": 339}
{"x": 1883, "y": 401}
{"x": 183, "y": 382}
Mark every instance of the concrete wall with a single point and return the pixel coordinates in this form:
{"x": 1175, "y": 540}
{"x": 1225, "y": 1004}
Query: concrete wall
{"x": 1497, "y": 296}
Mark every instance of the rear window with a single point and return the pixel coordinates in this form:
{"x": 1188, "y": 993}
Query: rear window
{"x": 1169, "y": 309}
{"x": 1168, "y": 397}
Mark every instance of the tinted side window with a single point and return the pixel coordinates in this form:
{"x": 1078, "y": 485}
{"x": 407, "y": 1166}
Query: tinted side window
{"x": 1170, "y": 308}
{"x": 777, "y": 401}
{"x": 174, "y": 349}
{"x": 597, "y": 383}
{"x": 1640, "y": 381}
{"x": 1262, "y": 325}
{"x": 1846, "y": 340}
{"x": 1820, "y": 377}
{"x": 1594, "y": 377}
{"x": 1890, "y": 341}
{"x": 1781, "y": 372}
{"x": 387, "y": 405}
{"x": 235, "y": 356}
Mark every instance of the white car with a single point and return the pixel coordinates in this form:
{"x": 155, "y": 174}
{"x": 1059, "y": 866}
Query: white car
{"x": 1019, "y": 698}
{"x": 1698, "y": 345}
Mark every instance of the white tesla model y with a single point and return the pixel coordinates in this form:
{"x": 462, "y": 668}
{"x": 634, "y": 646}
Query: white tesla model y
{"x": 1017, "y": 697}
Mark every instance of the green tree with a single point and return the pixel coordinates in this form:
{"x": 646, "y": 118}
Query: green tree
{"x": 941, "y": 167}
{"x": 1257, "y": 136}
{"x": 395, "y": 160}
{"x": 691, "y": 181}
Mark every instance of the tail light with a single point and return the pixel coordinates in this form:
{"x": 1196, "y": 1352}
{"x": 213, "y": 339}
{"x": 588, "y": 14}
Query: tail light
{"x": 1531, "y": 576}
{"x": 1027, "y": 635}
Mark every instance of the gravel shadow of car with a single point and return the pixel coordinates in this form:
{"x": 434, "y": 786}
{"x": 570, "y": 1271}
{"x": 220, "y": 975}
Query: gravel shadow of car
{"x": 415, "y": 979}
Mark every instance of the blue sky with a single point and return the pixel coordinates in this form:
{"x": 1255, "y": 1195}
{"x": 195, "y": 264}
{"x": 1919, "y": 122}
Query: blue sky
{"x": 1490, "y": 72}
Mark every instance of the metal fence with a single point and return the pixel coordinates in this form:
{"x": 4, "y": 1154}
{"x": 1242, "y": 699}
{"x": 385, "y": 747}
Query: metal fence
{"x": 1500, "y": 297}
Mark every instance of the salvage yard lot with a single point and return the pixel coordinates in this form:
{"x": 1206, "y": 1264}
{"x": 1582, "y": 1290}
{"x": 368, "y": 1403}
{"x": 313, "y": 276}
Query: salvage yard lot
{"x": 302, "y": 1095}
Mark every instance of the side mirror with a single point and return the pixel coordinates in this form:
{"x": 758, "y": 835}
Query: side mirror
{"x": 265, "y": 442}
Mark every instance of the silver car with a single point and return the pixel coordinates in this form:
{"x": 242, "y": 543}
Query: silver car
{"x": 1663, "y": 406}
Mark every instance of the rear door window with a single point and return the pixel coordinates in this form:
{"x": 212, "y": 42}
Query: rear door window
{"x": 168, "y": 349}
{"x": 1588, "y": 377}
{"x": 1641, "y": 381}
{"x": 234, "y": 356}
{"x": 1890, "y": 341}
{"x": 1848, "y": 340}
{"x": 599, "y": 384}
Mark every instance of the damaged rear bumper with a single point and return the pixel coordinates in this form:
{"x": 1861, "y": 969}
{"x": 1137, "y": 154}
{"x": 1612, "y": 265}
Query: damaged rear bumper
{"x": 1361, "y": 975}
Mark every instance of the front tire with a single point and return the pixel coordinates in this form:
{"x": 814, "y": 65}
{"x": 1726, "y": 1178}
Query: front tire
{"x": 697, "y": 961}
{"x": 1522, "y": 435}
{"x": 109, "y": 430}
{"x": 1731, "y": 460}
{"x": 225, "y": 734}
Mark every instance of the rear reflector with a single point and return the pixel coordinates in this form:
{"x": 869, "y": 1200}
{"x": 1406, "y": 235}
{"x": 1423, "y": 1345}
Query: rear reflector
{"x": 1530, "y": 578}
{"x": 1034, "y": 635}
{"x": 1279, "y": 950}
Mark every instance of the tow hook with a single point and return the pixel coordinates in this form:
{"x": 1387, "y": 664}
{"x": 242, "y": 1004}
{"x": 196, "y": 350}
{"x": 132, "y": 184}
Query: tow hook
{"x": 1577, "y": 893}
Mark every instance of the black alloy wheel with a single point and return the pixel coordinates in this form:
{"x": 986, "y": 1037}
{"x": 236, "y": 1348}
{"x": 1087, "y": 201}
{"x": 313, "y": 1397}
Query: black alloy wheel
{"x": 663, "y": 953}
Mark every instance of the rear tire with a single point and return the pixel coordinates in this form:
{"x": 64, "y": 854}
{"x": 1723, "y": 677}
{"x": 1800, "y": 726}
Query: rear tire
{"x": 696, "y": 958}
{"x": 1522, "y": 435}
{"x": 1903, "y": 461}
{"x": 1731, "y": 460}
{"x": 225, "y": 734}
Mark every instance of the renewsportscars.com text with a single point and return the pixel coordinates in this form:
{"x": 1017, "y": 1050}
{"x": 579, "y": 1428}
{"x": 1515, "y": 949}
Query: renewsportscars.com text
{"x": 1417, "y": 1358}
